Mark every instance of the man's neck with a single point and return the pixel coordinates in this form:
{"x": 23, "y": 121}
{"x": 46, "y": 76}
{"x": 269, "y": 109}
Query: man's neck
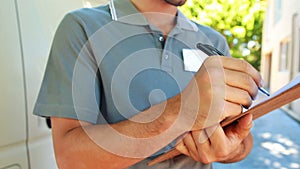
{"x": 158, "y": 12}
{"x": 155, "y": 6}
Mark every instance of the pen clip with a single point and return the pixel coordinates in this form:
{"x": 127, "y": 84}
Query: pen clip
{"x": 209, "y": 50}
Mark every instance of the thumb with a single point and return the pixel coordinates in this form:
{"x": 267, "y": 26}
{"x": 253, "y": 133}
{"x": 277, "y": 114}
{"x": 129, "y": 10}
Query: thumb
{"x": 242, "y": 128}
{"x": 245, "y": 122}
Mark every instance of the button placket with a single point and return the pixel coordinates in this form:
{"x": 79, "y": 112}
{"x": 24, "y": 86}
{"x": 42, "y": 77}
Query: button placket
{"x": 161, "y": 39}
{"x": 166, "y": 63}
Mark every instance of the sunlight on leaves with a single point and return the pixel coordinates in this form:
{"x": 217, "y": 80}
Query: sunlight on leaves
{"x": 242, "y": 18}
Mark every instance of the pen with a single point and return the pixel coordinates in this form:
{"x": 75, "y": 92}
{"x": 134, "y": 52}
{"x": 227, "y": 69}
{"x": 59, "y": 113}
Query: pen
{"x": 210, "y": 51}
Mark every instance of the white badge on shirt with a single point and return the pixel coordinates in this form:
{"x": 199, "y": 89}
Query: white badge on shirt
{"x": 193, "y": 59}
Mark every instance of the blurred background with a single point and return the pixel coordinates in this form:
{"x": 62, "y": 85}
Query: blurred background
{"x": 266, "y": 33}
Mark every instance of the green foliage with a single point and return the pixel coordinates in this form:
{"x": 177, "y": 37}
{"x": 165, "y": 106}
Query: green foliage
{"x": 240, "y": 21}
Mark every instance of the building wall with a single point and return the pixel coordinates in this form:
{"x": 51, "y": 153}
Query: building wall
{"x": 280, "y": 53}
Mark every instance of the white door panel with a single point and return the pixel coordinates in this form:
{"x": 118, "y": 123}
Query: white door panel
{"x": 12, "y": 102}
{"x": 41, "y": 150}
{"x": 12, "y": 97}
{"x": 14, "y": 156}
{"x": 39, "y": 20}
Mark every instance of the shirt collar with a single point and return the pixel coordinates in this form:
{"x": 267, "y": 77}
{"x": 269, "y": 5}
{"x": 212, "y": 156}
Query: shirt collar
{"x": 184, "y": 23}
{"x": 124, "y": 11}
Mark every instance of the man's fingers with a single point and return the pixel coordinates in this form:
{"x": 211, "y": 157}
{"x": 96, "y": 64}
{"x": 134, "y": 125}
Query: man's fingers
{"x": 241, "y": 81}
{"x": 241, "y": 151}
{"x": 229, "y": 140}
{"x": 242, "y": 129}
{"x": 216, "y": 135}
{"x": 241, "y": 66}
{"x": 190, "y": 144}
{"x": 245, "y": 123}
{"x": 231, "y": 109}
{"x": 182, "y": 148}
{"x": 238, "y": 96}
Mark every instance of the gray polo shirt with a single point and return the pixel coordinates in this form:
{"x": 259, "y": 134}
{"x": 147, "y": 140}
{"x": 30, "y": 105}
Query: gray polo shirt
{"x": 109, "y": 63}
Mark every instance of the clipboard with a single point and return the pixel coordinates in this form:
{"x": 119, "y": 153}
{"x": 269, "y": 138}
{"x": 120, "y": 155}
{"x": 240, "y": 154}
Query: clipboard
{"x": 283, "y": 96}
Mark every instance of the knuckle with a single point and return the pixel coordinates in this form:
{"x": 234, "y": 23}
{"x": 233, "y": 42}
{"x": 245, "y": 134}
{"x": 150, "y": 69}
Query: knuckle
{"x": 248, "y": 68}
{"x": 246, "y": 101}
{"x": 249, "y": 85}
{"x": 214, "y": 61}
{"x": 237, "y": 109}
{"x": 245, "y": 65}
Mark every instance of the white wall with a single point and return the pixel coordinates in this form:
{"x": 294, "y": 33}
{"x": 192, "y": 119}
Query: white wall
{"x": 286, "y": 29}
{"x": 274, "y": 34}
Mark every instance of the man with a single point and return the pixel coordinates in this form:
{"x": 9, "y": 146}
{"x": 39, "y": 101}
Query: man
{"x": 119, "y": 93}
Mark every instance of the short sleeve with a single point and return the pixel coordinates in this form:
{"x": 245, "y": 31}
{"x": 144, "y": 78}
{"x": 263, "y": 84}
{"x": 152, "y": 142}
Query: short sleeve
{"x": 215, "y": 38}
{"x": 223, "y": 46}
{"x": 218, "y": 41}
{"x": 70, "y": 56}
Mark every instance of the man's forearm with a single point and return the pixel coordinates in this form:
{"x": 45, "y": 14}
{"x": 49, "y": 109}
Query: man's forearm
{"x": 118, "y": 145}
{"x": 77, "y": 149}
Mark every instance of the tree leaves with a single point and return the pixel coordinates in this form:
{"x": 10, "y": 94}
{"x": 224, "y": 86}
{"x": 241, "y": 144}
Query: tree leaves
{"x": 240, "y": 21}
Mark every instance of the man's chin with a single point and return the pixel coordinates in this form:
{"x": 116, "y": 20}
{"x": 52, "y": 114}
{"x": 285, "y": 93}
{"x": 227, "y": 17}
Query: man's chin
{"x": 176, "y": 2}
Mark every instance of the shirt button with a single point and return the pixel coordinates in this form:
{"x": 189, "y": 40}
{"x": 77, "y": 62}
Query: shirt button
{"x": 161, "y": 39}
{"x": 166, "y": 57}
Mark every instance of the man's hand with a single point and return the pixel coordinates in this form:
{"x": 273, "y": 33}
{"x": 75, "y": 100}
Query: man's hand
{"x": 216, "y": 144}
{"x": 219, "y": 90}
